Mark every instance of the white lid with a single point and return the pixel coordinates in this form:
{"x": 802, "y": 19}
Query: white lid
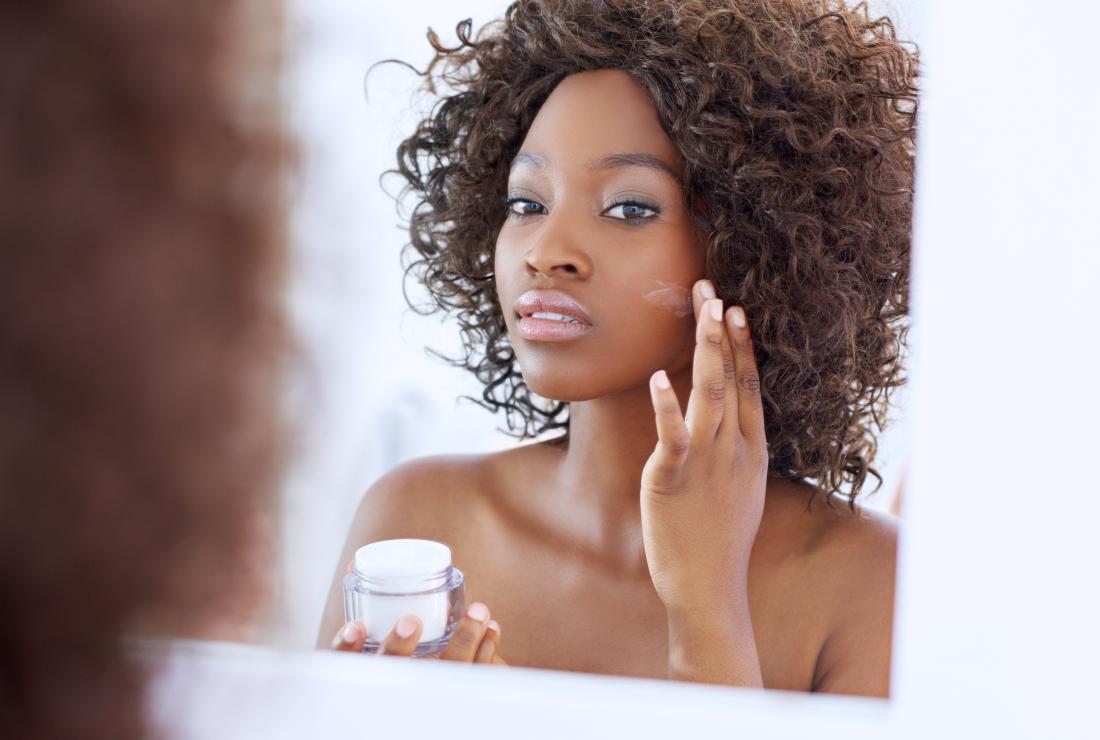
{"x": 401, "y": 558}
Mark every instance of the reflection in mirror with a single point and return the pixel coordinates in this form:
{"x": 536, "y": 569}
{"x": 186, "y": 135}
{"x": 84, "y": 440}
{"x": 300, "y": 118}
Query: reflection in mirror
{"x": 677, "y": 493}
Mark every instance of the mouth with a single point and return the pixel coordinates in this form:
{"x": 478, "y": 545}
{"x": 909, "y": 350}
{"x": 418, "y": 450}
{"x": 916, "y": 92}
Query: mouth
{"x": 550, "y": 316}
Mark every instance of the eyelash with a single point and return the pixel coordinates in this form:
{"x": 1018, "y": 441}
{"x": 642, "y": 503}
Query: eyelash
{"x": 511, "y": 201}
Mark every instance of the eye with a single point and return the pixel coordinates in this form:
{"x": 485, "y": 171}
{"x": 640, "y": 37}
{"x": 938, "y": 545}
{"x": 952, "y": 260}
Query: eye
{"x": 632, "y": 211}
{"x": 520, "y": 207}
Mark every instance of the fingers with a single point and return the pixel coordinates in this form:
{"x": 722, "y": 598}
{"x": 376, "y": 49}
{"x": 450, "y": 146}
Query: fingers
{"x": 713, "y": 396}
{"x": 673, "y": 438}
{"x": 701, "y": 292}
{"x": 487, "y": 651}
{"x": 749, "y": 404}
{"x": 743, "y": 400}
{"x": 350, "y": 638}
{"x": 709, "y": 391}
{"x": 476, "y": 639}
{"x": 467, "y": 636}
{"x": 403, "y": 637}
{"x": 729, "y": 376}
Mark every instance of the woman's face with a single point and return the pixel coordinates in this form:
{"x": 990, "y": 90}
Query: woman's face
{"x": 597, "y": 256}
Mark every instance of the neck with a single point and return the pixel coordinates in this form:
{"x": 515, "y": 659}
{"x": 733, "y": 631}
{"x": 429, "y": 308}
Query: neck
{"x": 600, "y": 472}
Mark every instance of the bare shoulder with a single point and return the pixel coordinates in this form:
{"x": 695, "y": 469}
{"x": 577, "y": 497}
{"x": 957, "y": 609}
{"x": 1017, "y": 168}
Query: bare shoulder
{"x": 862, "y": 542}
{"x": 436, "y": 498}
{"x": 859, "y": 542}
{"x": 856, "y": 555}
{"x": 855, "y": 658}
{"x": 448, "y": 498}
{"x": 420, "y": 498}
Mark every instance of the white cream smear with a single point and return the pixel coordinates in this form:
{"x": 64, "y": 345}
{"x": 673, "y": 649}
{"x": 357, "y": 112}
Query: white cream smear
{"x": 675, "y": 298}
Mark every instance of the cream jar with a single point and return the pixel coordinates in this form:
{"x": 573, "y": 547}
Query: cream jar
{"x": 392, "y": 578}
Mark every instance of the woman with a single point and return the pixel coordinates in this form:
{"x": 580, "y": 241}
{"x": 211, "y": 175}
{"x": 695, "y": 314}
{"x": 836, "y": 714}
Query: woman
{"x": 633, "y": 204}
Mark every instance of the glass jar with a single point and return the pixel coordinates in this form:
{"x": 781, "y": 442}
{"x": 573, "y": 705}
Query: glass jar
{"x": 392, "y": 578}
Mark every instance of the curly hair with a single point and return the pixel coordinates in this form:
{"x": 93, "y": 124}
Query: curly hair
{"x": 796, "y": 122}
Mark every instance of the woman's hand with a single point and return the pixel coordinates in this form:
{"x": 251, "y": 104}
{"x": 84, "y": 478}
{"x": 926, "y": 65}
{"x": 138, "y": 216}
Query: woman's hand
{"x": 702, "y": 494}
{"x": 476, "y": 638}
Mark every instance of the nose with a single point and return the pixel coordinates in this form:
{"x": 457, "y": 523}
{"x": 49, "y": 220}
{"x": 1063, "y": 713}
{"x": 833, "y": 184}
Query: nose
{"x": 557, "y": 248}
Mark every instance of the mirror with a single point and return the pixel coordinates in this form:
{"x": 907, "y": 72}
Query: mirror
{"x": 370, "y": 398}
{"x": 998, "y": 536}
{"x": 104, "y": 450}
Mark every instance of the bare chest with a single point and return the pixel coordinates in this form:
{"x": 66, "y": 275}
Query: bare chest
{"x": 555, "y": 615}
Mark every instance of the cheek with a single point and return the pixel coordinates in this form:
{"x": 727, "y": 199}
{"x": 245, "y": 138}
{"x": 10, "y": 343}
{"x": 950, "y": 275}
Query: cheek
{"x": 650, "y": 331}
{"x": 655, "y": 335}
{"x": 508, "y": 251}
{"x": 661, "y": 288}
{"x": 660, "y": 315}
{"x": 504, "y": 271}
{"x": 676, "y": 299}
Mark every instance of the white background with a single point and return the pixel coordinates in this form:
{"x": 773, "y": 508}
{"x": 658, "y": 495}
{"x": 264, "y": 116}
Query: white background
{"x": 367, "y": 396}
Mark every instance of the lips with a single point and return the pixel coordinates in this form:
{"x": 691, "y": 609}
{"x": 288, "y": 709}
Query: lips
{"x": 551, "y": 301}
{"x": 550, "y": 316}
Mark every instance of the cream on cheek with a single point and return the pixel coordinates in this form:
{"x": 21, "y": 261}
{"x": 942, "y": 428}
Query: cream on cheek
{"x": 673, "y": 298}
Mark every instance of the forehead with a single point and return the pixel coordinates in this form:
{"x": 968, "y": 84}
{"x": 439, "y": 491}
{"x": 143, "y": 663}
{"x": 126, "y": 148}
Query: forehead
{"x": 592, "y": 114}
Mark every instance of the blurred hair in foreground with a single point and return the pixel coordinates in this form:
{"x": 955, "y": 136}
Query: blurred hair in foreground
{"x": 141, "y": 335}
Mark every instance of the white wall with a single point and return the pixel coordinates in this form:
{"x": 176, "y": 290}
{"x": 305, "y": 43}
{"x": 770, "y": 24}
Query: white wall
{"x": 368, "y": 397}
{"x": 1000, "y": 559}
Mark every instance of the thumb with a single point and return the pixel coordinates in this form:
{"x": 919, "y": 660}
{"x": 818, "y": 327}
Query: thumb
{"x": 350, "y": 638}
{"x": 403, "y": 637}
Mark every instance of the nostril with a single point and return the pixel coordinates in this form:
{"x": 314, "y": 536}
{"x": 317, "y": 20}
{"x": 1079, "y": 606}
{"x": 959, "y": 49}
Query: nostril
{"x": 569, "y": 269}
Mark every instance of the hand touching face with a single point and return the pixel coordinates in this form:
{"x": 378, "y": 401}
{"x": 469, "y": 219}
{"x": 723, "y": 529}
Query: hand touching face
{"x": 702, "y": 494}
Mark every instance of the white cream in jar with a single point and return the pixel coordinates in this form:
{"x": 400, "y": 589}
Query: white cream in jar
{"x": 392, "y": 578}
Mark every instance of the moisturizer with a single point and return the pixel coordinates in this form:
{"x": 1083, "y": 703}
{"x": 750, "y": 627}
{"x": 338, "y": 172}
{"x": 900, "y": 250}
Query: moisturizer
{"x": 672, "y": 297}
{"x": 392, "y": 578}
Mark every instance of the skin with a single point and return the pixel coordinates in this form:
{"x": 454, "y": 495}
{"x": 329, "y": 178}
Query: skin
{"x": 652, "y": 542}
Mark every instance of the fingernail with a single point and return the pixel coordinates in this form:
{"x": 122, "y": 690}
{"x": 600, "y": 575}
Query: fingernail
{"x": 494, "y": 626}
{"x": 707, "y": 289}
{"x": 478, "y": 611}
{"x": 738, "y": 316}
{"x": 716, "y": 310}
{"x": 406, "y": 626}
{"x": 661, "y": 380}
{"x": 352, "y": 632}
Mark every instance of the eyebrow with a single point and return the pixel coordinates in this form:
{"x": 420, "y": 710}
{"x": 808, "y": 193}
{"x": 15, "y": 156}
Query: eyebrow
{"x": 610, "y": 162}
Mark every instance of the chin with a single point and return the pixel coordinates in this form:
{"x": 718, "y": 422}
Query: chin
{"x": 584, "y": 373}
{"x": 568, "y": 389}
{"x": 582, "y": 384}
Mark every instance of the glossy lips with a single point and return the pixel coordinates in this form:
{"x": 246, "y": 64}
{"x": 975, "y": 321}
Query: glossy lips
{"x": 550, "y": 316}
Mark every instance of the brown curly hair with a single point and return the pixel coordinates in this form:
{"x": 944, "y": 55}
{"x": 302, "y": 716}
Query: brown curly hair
{"x": 796, "y": 121}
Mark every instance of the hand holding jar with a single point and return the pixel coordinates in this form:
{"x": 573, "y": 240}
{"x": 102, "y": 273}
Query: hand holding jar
{"x": 408, "y": 590}
{"x": 476, "y": 638}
